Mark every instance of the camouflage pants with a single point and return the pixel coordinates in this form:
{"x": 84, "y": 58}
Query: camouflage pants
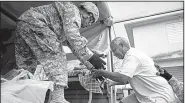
{"x": 32, "y": 53}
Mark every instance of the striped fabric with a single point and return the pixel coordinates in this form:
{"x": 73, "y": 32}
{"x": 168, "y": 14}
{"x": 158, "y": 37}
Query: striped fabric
{"x": 85, "y": 79}
{"x": 89, "y": 83}
{"x": 84, "y": 75}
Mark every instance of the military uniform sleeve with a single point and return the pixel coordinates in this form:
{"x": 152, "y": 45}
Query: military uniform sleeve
{"x": 177, "y": 88}
{"x": 71, "y": 25}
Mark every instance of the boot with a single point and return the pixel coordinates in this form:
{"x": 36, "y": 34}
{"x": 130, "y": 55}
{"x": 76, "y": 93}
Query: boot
{"x": 57, "y": 96}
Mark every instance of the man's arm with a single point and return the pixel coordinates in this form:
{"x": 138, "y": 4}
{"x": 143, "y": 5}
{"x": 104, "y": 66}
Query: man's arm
{"x": 77, "y": 43}
{"x": 71, "y": 26}
{"x": 177, "y": 88}
{"x": 115, "y": 76}
{"x": 126, "y": 72}
{"x": 112, "y": 83}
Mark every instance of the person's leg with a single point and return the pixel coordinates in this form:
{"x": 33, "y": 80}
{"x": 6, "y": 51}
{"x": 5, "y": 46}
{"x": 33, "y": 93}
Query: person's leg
{"x": 57, "y": 72}
{"x": 129, "y": 99}
{"x": 57, "y": 96}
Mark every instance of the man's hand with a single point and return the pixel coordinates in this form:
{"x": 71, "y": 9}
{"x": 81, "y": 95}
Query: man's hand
{"x": 97, "y": 62}
{"x": 97, "y": 73}
{"x": 110, "y": 83}
{"x": 162, "y": 72}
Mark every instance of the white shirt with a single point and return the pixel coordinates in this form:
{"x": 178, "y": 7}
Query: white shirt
{"x": 149, "y": 87}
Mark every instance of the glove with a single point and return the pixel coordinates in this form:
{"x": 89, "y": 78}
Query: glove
{"x": 165, "y": 74}
{"x": 97, "y": 62}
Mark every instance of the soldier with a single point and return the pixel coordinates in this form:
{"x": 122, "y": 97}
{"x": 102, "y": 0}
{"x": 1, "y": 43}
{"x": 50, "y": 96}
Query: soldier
{"x": 41, "y": 33}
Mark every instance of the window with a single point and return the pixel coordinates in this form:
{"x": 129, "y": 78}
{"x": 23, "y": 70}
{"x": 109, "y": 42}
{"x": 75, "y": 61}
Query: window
{"x": 174, "y": 32}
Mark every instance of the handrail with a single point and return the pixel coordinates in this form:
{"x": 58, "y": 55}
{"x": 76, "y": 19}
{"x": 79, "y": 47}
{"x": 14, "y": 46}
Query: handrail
{"x": 8, "y": 14}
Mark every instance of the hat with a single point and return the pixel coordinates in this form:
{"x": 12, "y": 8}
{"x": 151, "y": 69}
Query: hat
{"x": 92, "y": 8}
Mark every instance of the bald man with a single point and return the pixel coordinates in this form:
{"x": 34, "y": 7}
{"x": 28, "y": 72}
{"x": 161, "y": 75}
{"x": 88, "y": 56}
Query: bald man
{"x": 138, "y": 69}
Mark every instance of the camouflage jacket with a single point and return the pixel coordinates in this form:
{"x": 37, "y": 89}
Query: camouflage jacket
{"x": 177, "y": 88}
{"x": 56, "y": 25}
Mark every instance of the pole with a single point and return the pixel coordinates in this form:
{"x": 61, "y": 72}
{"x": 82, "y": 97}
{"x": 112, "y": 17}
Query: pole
{"x": 8, "y": 14}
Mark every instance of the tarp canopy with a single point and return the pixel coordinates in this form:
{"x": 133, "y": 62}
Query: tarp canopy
{"x": 17, "y": 8}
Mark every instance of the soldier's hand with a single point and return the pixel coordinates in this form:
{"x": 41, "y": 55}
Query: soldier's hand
{"x": 97, "y": 62}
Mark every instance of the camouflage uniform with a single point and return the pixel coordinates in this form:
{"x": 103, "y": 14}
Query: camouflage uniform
{"x": 177, "y": 88}
{"x": 40, "y": 34}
